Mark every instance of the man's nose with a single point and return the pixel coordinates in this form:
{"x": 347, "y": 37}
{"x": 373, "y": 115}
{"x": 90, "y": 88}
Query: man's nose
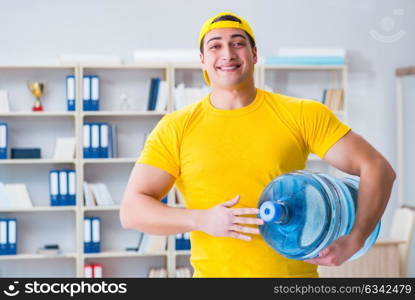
{"x": 228, "y": 52}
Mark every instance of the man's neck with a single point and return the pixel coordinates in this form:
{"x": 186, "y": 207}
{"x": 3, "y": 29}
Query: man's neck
{"x": 232, "y": 98}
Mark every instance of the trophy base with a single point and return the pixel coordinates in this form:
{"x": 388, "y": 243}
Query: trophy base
{"x": 39, "y": 108}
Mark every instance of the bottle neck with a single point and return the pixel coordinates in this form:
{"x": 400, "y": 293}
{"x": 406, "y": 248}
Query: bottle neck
{"x": 274, "y": 212}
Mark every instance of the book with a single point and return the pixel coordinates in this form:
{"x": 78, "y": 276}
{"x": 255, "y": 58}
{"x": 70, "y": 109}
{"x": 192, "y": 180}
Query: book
{"x": 18, "y": 195}
{"x": 64, "y": 148}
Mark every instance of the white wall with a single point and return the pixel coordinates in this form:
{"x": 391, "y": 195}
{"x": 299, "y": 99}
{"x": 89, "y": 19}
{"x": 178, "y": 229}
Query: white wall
{"x": 34, "y": 32}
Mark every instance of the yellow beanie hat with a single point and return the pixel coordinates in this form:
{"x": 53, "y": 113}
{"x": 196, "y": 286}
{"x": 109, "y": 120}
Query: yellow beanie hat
{"x": 208, "y": 26}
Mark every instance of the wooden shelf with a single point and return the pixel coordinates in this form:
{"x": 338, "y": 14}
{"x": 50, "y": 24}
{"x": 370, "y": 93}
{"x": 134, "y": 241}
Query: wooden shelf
{"x": 23, "y": 161}
{"x": 123, "y": 113}
{"x": 305, "y": 67}
{"x": 40, "y": 209}
{"x": 109, "y": 160}
{"x": 38, "y": 256}
{"x": 38, "y": 114}
{"x": 102, "y": 208}
{"x": 111, "y": 254}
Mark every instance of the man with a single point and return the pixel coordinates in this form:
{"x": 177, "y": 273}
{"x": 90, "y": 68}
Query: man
{"x": 223, "y": 150}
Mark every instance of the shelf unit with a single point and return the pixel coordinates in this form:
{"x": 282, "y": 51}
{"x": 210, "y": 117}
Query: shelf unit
{"x": 132, "y": 125}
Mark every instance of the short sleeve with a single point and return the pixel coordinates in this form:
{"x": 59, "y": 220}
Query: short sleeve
{"x": 321, "y": 129}
{"x": 161, "y": 149}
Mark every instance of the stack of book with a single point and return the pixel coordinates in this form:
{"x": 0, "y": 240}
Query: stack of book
{"x": 3, "y": 141}
{"x": 158, "y": 94}
{"x": 100, "y": 140}
{"x": 334, "y": 99}
{"x": 90, "y": 92}
{"x": 8, "y": 236}
{"x": 183, "y": 272}
{"x": 97, "y": 194}
{"x": 183, "y": 241}
{"x": 307, "y": 56}
{"x": 93, "y": 271}
{"x": 157, "y": 273}
{"x": 62, "y": 187}
{"x": 184, "y": 96}
{"x": 92, "y": 235}
{"x": 14, "y": 195}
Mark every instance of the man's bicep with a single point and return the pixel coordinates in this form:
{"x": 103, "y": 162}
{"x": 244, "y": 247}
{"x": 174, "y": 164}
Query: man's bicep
{"x": 150, "y": 181}
{"x": 350, "y": 152}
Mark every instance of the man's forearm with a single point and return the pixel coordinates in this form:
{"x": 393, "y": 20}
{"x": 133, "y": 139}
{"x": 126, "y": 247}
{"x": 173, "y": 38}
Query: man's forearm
{"x": 147, "y": 214}
{"x": 376, "y": 181}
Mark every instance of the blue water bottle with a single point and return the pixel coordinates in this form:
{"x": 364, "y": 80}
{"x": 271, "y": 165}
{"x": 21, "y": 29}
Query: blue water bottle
{"x": 304, "y": 212}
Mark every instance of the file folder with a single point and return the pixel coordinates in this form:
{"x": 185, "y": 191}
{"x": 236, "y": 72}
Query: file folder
{"x": 112, "y": 141}
{"x": 87, "y": 235}
{"x": 71, "y": 187}
{"x": 86, "y": 93}
{"x": 3, "y": 237}
{"x": 70, "y": 92}
{"x": 97, "y": 271}
{"x": 186, "y": 241}
{"x": 96, "y": 234}
{"x": 103, "y": 146}
{"x": 12, "y": 249}
{"x": 179, "y": 241}
{"x": 87, "y": 140}
{"x": 95, "y": 137}
{"x": 63, "y": 187}
{"x": 3, "y": 140}
{"x": 94, "y": 92}
{"x": 88, "y": 271}
{"x": 54, "y": 188}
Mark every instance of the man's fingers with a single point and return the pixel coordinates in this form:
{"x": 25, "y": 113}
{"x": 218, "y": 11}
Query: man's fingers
{"x": 240, "y": 236}
{"x": 254, "y": 221}
{"x": 245, "y": 211}
{"x": 244, "y": 229}
{"x": 231, "y": 202}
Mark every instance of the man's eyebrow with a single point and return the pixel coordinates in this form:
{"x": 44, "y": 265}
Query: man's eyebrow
{"x": 238, "y": 35}
{"x": 232, "y": 37}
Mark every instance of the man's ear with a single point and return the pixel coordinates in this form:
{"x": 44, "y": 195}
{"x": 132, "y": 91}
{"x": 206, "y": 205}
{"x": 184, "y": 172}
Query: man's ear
{"x": 202, "y": 60}
{"x": 255, "y": 54}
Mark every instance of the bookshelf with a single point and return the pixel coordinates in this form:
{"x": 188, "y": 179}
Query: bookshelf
{"x": 32, "y": 129}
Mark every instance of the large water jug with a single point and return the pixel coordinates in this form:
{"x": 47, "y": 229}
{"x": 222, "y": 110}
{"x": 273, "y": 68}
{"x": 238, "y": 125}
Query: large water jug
{"x": 304, "y": 212}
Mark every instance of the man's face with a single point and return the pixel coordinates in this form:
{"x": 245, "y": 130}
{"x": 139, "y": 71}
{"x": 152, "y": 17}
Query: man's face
{"x": 228, "y": 57}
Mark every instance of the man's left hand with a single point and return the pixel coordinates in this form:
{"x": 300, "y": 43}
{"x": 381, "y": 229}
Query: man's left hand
{"x": 338, "y": 252}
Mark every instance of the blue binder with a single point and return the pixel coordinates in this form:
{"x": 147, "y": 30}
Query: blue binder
{"x": 63, "y": 187}
{"x": 95, "y": 140}
{"x": 150, "y": 94}
{"x": 104, "y": 140}
{"x": 94, "y": 97}
{"x": 71, "y": 187}
{"x": 12, "y": 236}
{"x": 183, "y": 241}
{"x": 3, "y": 237}
{"x": 155, "y": 93}
{"x": 87, "y": 141}
{"x": 54, "y": 188}
{"x": 87, "y": 235}
{"x": 96, "y": 234}
{"x": 70, "y": 92}
{"x": 164, "y": 200}
{"x": 86, "y": 93}
{"x": 3, "y": 140}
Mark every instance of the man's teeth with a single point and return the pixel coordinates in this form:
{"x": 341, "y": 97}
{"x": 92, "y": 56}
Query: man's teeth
{"x": 228, "y": 68}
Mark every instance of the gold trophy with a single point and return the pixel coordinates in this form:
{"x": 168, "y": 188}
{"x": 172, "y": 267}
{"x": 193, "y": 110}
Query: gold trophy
{"x": 37, "y": 89}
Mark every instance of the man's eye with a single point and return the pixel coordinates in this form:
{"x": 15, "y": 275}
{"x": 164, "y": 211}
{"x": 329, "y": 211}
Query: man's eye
{"x": 214, "y": 47}
{"x": 238, "y": 44}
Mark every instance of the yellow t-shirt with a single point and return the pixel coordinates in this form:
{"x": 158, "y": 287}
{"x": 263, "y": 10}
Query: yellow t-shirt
{"x": 216, "y": 154}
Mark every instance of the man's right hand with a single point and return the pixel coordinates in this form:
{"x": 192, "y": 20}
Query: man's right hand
{"x": 223, "y": 220}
